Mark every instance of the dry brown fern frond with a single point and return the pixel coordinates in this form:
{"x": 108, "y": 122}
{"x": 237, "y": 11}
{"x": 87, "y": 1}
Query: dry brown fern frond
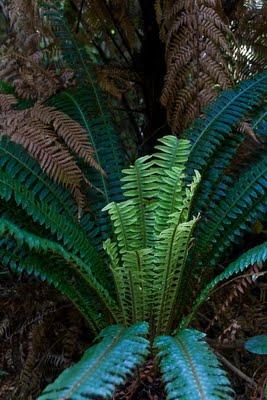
{"x": 27, "y": 55}
{"x": 30, "y": 79}
{"x": 112, "y": 19}
{"x": 116, "y": 80}
{"x": 241, "y": 285}
{"x": 251, "y": 38}
{"x": 196, "y": 57}
{"x": 53, "y": 139}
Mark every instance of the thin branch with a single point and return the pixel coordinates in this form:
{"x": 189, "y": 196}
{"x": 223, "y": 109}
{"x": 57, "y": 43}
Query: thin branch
{"x": 237, "y": 371}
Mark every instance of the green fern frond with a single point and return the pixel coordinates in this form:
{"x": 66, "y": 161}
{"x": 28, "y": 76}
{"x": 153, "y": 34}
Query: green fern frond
{"x": 170, "y": 259}
{"x": 87, "y": 105}
{"x": 124, "y": 219}
{"x": 140, "y": 185}
{"x": 74, "y": 265}
{"x": 104, "y": 366}
{"x": 208, "y": 134}
{"x": 255, "y": 256}
{"x": 171, "y": 162}
{"x": 190, "y": 369}
{"x": 227, "y": 221}
{"x": 138, "y": 265}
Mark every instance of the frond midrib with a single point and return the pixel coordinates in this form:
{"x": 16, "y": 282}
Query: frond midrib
{"x": 207, "y": 127}
{"x": 96, "y": 364}
{"x": 192, "y": 366}
{"x": 234, "y": 203}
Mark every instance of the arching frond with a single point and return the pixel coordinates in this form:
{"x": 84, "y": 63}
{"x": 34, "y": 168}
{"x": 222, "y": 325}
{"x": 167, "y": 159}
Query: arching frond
{"x": 190, "y": 369}
{"x": 255, "y": 256}
{"x": 104, "y": 366}
{"x": 226, "y": 221}
{"x": 74, "y": 265}
{"x": 208, "y": 134}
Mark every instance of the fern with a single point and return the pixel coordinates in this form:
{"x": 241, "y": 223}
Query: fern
{"x": 208, "y": 134}
{"x": 226, "y": 222}
{"x": 150, "y": 251}
{"x": 103, "y": 366}
{"x": 195, "y": 34}
{"x": 74, "y": 266}
{"x": 190, "y": 369}
{"x": 255, "y": 256}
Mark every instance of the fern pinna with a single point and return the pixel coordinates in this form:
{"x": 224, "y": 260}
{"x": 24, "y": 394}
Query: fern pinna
{"x": 150, "y": 253}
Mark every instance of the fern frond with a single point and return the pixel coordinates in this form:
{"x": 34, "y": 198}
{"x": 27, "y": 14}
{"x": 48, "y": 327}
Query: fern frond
{"x": 72, "y": 133}
{"x": 208, "y": 134}
{"x": 104, "y": 366}
{"x": 170, "y": 257}
{"x": 140, "y": 184}
{"x": 255, "y": 256}
{"x": 65, "y": 229}
{"x": 190, "y": 369}
{"x": 81, "y": 105}
{"x": 171, "y": 162}
{"x": 138, "y": 266}
{"x": 124, "y": 220}
{"x": 40, "y": 131}
{"x": 195, "y": 35}
{"x": 45, "y": 246}
{"x": 226, "y": 222}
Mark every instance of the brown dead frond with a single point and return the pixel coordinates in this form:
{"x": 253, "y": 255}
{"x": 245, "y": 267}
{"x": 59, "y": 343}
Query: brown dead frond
{"x": 27, "y": 56}
{"x": 196, "y": 56}
{"x": 116, "y": 80}
{"x": 53, "y": 139}
{"x": 251, "y": 38}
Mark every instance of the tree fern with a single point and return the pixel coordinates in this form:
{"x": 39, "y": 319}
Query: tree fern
{"x": 104, "y": 366}
{"x": 190, "y": 369}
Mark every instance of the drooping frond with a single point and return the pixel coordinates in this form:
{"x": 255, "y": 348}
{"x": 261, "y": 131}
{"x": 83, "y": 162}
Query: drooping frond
{"x": 255, "y": 256}
{"x": 82, "y": 105}
{"x": 231, "y": 107}
{"x": 196, "y": 57}
{"x": 51, "y": 137}
{"x": 226, "y": 222}
{"x": 215, "y": 147}
{"x": 104, "y": 366}
{"x": 74, "y": 266}
{"x": 65, "y": 229}
{"x": 190, "y": 369}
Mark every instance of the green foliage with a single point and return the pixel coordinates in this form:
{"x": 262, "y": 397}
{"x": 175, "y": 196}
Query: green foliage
{"x": 213, "y": 143}
{"x": 229, "y": 204}
{"x": 147, "y": 263}
{"x": 148, "y": 241}
{"x": 86, "y": 104}
{"x": 255, "y": 256}
{"x": 103, "y": 366}
{"x": 190, "y": 370}
{"x": 257, "y": 344}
